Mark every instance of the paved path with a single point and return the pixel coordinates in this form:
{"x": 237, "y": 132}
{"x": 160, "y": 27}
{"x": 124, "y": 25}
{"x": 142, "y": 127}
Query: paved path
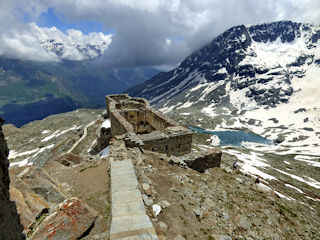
{"x": 129, "y": 219}
{"x": 85, "y": 133}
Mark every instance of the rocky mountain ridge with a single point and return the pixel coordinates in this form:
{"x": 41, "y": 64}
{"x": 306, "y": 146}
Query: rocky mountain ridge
{"x": 242, "y": 68}
{"x": 261, "y": 79}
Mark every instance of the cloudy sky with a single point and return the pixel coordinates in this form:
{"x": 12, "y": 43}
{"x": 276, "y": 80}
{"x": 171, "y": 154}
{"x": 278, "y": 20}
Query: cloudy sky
{"x": 138, "y": 32}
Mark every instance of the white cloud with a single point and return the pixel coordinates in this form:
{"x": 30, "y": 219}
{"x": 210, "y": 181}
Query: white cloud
{"x": 22, "y": 44}
{"x": 72, "y": 40}
{"x": 143, "y": 28}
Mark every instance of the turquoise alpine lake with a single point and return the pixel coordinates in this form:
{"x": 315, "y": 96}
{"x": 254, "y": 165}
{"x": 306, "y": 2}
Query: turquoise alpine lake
{"x": 233, "y": 137}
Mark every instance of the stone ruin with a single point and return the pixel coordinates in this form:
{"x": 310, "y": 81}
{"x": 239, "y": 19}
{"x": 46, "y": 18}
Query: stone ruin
{"x": 134, "y": 124}
{"x": 145, "y": 128}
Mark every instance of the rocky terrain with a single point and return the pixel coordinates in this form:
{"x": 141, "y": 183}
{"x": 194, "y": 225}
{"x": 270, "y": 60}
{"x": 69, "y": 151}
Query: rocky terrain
{"x": 50, "y": 171}
{"x": 259, "y": 80}
{"x": 61, "y": 186}
{"x": 221, "y": 204}
{"x": 260, "y": 77}
{"x": 242, "y": 68}
{"x": 11, "y": 227}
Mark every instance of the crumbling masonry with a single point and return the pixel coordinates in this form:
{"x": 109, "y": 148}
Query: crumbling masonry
{"x": 145, "y": 127}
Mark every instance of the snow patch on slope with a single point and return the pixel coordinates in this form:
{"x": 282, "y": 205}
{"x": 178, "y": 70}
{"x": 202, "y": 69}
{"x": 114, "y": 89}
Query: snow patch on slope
{"x": 273, "y": 54}
{"x": 250, "y": 163}
{"x": 311, "y": 182}
{"x": 59, "y": 133}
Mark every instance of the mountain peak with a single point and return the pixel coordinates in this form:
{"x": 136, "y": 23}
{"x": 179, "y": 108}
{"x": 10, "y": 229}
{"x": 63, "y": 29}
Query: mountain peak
{"x": 244, "y": 67}
{"x": 72, "y": 45}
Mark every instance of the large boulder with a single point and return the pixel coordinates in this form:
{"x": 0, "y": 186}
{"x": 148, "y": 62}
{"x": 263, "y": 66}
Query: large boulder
{"x": 72, "y": 219}
{"x": 204, "y": 160}
{"x": 10, "y": 226}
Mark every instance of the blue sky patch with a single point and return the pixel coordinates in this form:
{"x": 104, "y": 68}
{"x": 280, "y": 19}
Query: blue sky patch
{"x": 51, "y": 19}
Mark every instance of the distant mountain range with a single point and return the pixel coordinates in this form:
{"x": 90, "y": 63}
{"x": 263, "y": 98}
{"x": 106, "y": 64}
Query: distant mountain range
{"x": 246, "y": 67}
{"x": 73, "y": 44}
{"x": 33, "y": 90}
{"x": 75, "y": 51}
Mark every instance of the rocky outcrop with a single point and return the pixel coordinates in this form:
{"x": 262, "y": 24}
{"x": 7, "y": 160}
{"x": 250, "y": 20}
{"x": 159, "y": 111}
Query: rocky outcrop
{"x": 34, "y": 191}
{"x": 4, "y": 164}
{"x": 235, "y": 63}
{"x": 204, "y": 160}
{"x": 10, "y": 226}
{"x": 73, "y": 219}
{"x": 199, "y": 161}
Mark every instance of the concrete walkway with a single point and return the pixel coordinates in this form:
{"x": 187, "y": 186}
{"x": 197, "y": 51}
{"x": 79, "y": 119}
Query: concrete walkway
{"x": 129, "y": 219}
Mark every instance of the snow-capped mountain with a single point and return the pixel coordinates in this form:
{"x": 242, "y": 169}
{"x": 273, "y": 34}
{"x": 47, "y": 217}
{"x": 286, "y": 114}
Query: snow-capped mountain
{"x": 72, "y": 45}
{"x": 261, "y": 78}
{"x": 73, "y": 50}
{"x": 243, "y": 68}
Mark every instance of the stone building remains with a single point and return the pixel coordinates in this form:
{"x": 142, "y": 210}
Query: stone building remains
{"x": 145, "y": 127}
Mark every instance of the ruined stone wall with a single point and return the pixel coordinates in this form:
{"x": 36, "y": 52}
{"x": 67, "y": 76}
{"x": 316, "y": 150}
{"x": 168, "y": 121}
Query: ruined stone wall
{"x": 174, "y": 145}
{"x": 157, "y": 145}
{"x": 131, "y": 105}
{"x": 10, "y": 226}
{"x": 118, "y": 97}
{"x": 113, "y": 99}
{"x": 119, "y": 125}
{"x": 156, "y": 131}
{"x": 137, "y": 118}
{"x": 132, "y": 116}
{"x": 158, "y": 121}
{"x": 180, "y": 145}
{"x": 143, "y": 126}
{"x": 138, "y": 112}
